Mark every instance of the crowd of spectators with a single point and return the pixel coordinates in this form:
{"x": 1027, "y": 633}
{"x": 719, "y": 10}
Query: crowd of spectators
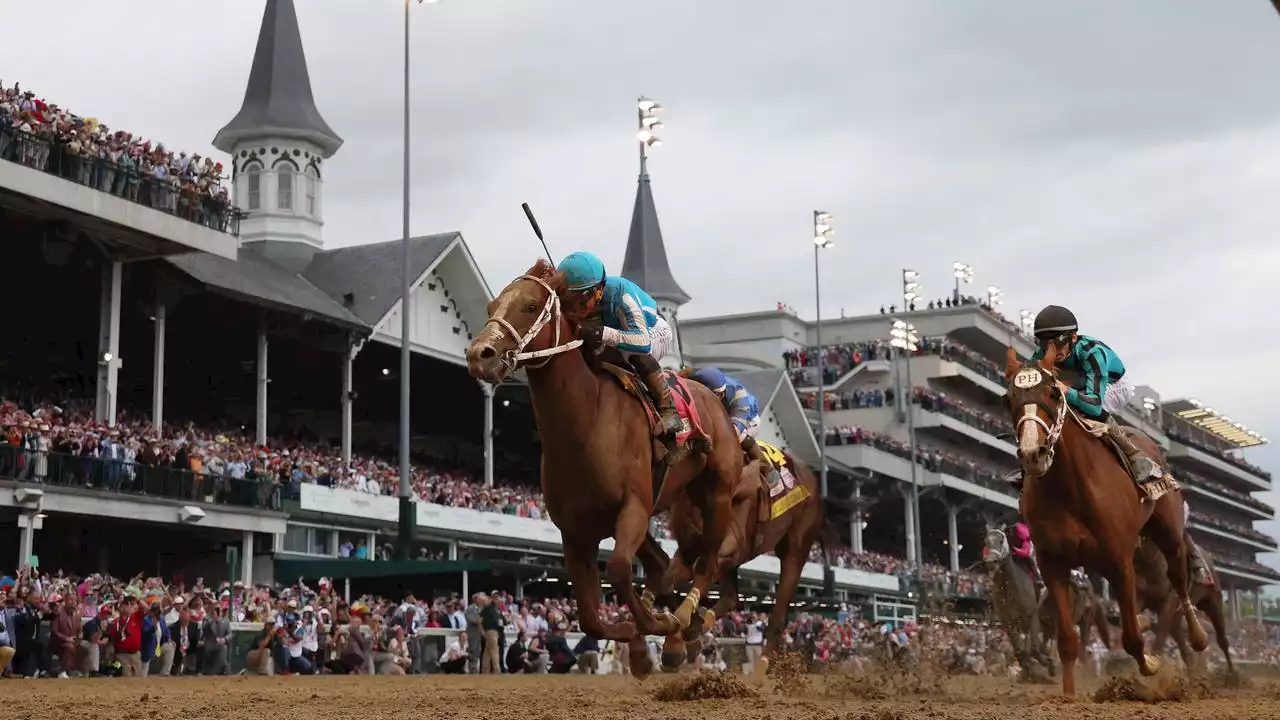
{"x": 940, "y": 402}
{"x": 60, "y": 625}
{"x": 1234, "y": 526}
{"x": 62, "y": 444}
{"x": 1246, "y": 498}
{"x": 850, "y": 399}
{"x": 933, "y": 459}
{"x": 49, "y": 138}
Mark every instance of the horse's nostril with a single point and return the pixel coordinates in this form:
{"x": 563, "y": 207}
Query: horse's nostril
{"x": 488, "y": 353}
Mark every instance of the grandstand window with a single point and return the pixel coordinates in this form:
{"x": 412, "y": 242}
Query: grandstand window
{"x": 253, "y": 187}
{"x": 284, "y": 187}
{"x": 295, "y": 538}
{"x": 309, "y": 184}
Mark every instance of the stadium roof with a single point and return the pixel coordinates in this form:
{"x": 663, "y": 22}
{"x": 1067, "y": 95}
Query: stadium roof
{"x": 278, "y": 100}
{"x": 258, "y": 280}
{"x": 1215, "y": 423}
{"x": 371, "y": 273}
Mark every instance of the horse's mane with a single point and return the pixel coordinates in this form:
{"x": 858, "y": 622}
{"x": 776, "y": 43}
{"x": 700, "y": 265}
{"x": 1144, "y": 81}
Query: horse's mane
{"x": 572, "y": 305}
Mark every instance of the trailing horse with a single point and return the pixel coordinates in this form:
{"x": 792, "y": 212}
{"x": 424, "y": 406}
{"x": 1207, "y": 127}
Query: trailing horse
{"x": 1156, "y": 594}
{"x": 1013, "y": 597}
{"x": 603, "y": 472}
{"x": 788, "y": 525}
{"x": 1085, "y": 509}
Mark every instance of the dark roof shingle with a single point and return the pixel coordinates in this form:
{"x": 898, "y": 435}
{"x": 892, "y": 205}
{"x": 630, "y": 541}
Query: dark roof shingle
{"x": 371, "y": 273}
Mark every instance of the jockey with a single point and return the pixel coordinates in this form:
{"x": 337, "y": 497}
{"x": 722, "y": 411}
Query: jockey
{"x": 1022, "y": 550}
{"x": 744, "y": 412}
{"x": 631, "y": 324}
{"x": 1100, "y": 389}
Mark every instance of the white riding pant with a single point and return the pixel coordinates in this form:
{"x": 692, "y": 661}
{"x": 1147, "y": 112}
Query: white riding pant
{"x": 1117, "y": 396}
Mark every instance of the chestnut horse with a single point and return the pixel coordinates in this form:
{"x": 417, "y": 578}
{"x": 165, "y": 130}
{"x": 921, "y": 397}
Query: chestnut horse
{"x": 1155, "y": 594}
{"x": 790, "y": 536}
{"x": 598, "y": 470}
{"x": 1084, "y": 508}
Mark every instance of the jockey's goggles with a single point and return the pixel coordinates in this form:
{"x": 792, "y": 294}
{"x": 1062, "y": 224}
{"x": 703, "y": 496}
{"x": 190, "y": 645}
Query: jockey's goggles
{"x": 1060, "y": 339}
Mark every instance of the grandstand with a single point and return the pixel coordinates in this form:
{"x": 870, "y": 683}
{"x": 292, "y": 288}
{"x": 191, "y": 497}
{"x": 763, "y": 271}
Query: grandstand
{"x": 214, "y": 390}
{"x": 214, "y": 394}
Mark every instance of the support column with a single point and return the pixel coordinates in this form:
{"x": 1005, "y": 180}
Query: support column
{"x": 488, "y": 389}
{"x": 108, "y": 343}
{"x": 370, "y": 543}
{"x": 346, "y": 590}
{"x": 260, "y": 413}
{"x": 28, "y": 523}
{"x": 466, "y": 586}
{"x": 157, "y": 373}
{"x": 1234, "y": 595}
{"x": 953, "y": 540}
{"x": 336, "y": 541}
{"x": 909, "y": 523}
{"x": 348, "y": 398}
{"x": 855, "y": 526}
{"x": 453, "y": 551}
{"x": 246, "y": 559}
{"x": 1257, "y": 605}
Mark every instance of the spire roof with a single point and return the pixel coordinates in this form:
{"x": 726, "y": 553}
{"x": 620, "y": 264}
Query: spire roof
{"x": 645, "y": 262}
{"x": 278, "y": 100}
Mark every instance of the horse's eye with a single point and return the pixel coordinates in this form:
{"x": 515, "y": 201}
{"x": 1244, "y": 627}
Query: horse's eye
{"x": 531, "y": 308}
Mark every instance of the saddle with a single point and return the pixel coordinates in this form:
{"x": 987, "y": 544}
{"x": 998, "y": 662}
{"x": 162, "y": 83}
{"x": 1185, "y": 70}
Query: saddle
{"x": 776, "y": 501}
{"x": 1152, "y": 489}
{"x": 691, "y": 438}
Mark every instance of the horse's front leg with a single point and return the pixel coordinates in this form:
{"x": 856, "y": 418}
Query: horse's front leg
{"x": 1057, "y": 580}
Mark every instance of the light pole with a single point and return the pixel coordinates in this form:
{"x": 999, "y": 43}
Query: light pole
{"x": 910, "y": 289}
{"x": 822, "y": 232}
{"x": 1028, "y": 321}
{"x": 648, "y": 126}
{"x": 404, "y": 536}
{"x": 994, "y": 297}
{"x": 904, "y": 339}
{"x": 963, "y": 273}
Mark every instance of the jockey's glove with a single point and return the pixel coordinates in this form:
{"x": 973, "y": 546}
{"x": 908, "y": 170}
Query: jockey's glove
{"x": 591, "y": 333}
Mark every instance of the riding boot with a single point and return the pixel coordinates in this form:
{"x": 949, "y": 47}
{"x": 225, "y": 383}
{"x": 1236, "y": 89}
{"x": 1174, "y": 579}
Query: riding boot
{"x": 669, "y": 422}
{"x": 1143, "y": 466}
{"x": 1199, "y": 568}
{"x": 753, "y": 451}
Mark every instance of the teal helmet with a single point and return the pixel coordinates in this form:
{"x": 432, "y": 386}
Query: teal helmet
{"x": 582, "y": 271}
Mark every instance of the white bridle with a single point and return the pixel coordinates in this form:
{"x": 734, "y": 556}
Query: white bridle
{"x": 550, "y": 314}
{"x": 1052, "y": 434}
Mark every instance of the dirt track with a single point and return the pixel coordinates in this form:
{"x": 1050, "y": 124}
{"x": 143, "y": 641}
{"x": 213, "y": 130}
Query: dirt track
{"x": 568, "y": 697}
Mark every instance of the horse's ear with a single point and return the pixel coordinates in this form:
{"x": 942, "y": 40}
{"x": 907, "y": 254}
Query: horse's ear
{"x": 1011, "y": 362}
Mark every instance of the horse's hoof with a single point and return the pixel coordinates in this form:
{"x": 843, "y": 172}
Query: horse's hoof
{"x": 672, "y": 662}
{"x": 641, "y": 663}
{"x": 1150, "y": 665}
{"x": 665, "y": 623}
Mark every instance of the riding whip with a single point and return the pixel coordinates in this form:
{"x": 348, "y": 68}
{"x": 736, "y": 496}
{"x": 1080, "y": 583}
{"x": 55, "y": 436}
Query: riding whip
{"x": 537, "y": 230}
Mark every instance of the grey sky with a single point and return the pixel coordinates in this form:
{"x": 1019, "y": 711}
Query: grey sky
{"x": 1118, "y": 157}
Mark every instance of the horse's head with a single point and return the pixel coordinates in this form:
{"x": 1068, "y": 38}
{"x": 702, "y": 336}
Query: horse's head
{"x": 532, "y": 319}
{"x": 995, "y": 549}
{"x": 1038, "y": 403}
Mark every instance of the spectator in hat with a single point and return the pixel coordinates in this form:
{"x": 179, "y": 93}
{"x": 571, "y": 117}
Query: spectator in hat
{"x": 126, "y": 637}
